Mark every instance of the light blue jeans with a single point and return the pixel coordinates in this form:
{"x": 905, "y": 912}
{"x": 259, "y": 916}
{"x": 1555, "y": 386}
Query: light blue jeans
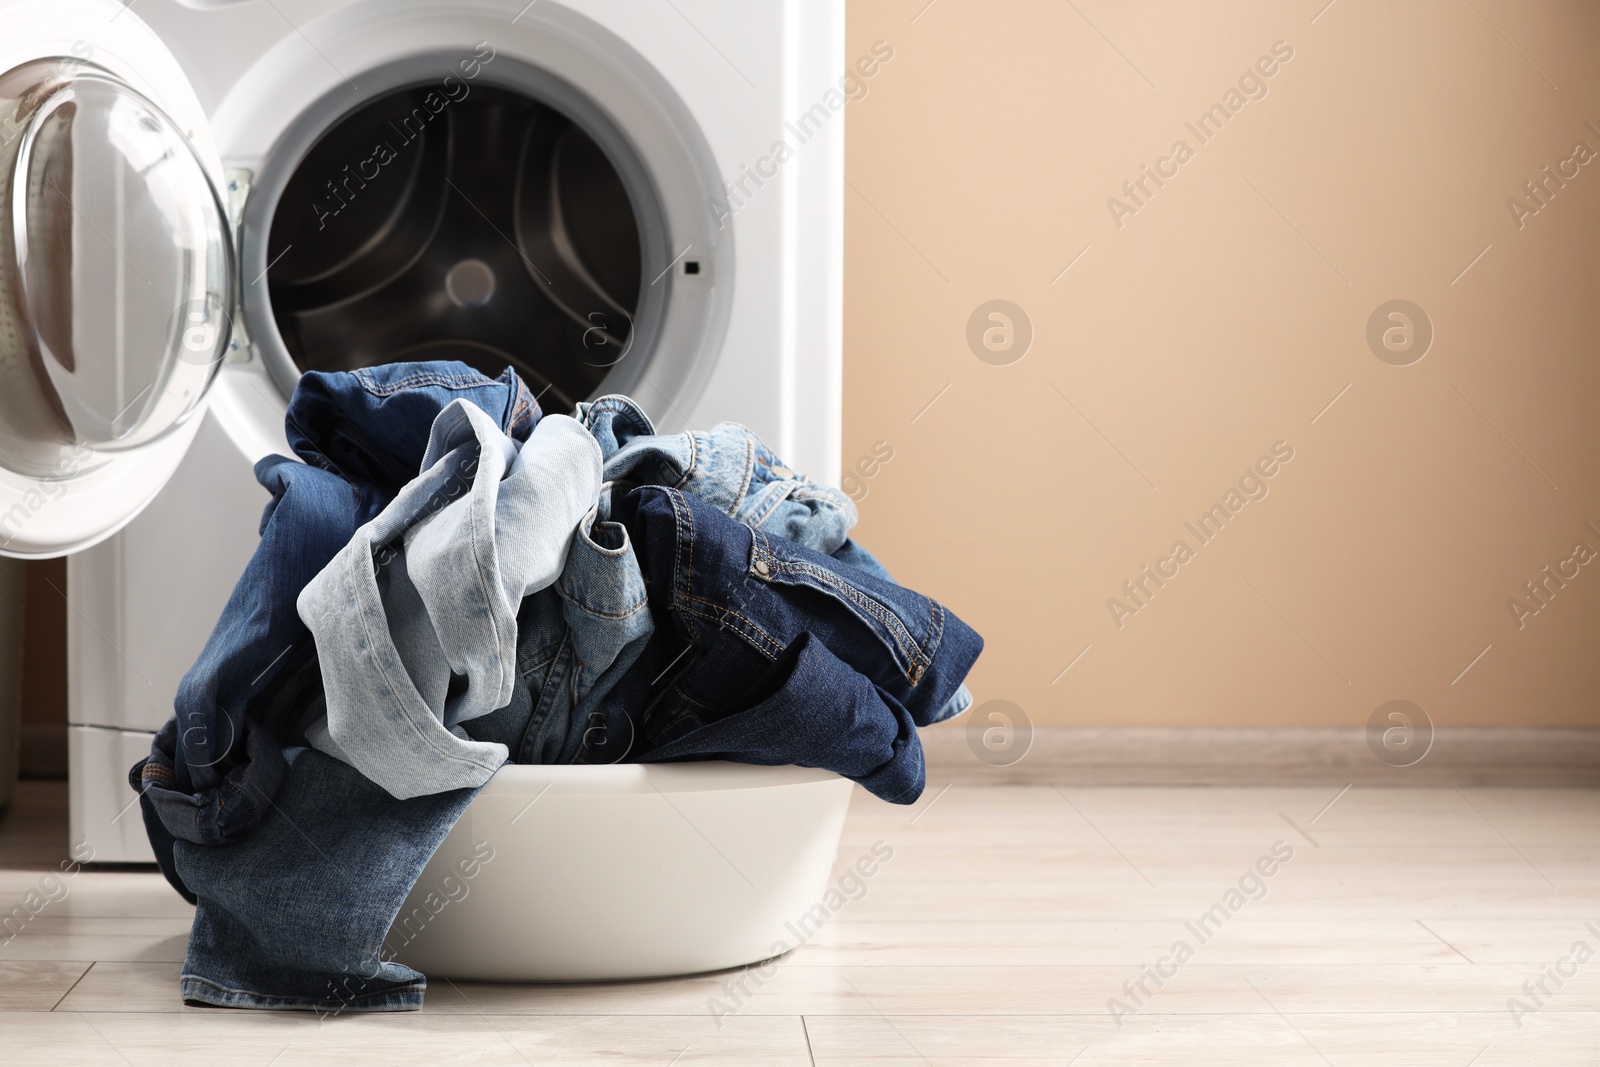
{"x": 727, "y": 467}
{"x": 428, "y": 593}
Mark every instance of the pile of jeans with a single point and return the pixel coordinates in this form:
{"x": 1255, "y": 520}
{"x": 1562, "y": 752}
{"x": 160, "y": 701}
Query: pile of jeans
{"x": 449, "y": 579}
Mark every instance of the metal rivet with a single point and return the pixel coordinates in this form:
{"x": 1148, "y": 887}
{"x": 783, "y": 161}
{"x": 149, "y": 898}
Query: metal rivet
{"x": 762, "y": 568}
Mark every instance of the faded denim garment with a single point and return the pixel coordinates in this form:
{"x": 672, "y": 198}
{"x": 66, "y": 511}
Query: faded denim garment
{"x": 294, "y": 916}
{"x": 767, "y": 652}
{"x": 851, "y": 554}
{"x": 577, "y": 640}
{"x": 430, "y": 590}
{"x": 728, "y": 467}
{"x": 215, "y": 767}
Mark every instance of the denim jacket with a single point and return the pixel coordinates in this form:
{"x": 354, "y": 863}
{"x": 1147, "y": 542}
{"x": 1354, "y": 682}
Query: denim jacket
{"x": 426, "y": 596}
{"x": 216, "y": 766}
{"x": 776, "y": 654}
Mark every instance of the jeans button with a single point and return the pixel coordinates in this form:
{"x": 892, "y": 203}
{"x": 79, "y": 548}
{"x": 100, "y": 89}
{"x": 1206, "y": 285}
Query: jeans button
{"x": 762, "y": 568}
{"x": 783, "y": 472}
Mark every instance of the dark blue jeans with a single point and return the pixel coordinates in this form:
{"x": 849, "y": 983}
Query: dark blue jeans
{"x": 767, "y": 652}
{"x": 216, "y": 766}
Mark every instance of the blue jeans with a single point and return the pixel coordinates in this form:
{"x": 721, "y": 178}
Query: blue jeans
{"x": 215, "y": 767}
{"x": 294, "y": 916}
{"x": 371, "y": 426}
{"x": 768, "y": 652}
{"x": 730, "y": 468}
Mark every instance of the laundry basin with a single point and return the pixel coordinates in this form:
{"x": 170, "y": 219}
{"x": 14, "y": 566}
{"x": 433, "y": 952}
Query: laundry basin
{"x": 567, "y": 873}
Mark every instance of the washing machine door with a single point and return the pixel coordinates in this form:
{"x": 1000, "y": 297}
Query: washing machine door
{"x": 116, "y": 294}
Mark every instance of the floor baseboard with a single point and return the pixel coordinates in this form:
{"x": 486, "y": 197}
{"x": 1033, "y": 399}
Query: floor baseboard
{"x": 1235, "y": 756}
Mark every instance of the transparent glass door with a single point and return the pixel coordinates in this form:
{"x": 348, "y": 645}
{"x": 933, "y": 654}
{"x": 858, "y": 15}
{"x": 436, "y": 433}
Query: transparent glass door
{"x": 116, "y": 271}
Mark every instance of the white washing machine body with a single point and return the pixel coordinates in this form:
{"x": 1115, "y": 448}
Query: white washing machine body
{"x": 736, "y": 314}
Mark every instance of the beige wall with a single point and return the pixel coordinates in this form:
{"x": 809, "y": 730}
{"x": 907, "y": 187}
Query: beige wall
{"x": 1219, "y": 318}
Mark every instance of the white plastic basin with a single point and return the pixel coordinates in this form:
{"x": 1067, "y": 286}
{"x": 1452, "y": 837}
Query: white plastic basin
{"x": 562, "y": 873}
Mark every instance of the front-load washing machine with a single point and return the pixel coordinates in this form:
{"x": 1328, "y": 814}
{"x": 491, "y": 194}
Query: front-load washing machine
{"x": 202, "y": 199}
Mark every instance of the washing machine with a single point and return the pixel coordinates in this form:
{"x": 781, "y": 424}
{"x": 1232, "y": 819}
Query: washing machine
{"x": 202, "y": 199}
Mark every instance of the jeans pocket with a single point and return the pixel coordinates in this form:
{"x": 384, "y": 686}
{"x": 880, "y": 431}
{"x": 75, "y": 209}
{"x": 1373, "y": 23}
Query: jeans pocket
{"x": 907, "y": 625}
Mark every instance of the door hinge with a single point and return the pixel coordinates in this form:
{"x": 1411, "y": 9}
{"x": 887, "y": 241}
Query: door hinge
{"x": 239, "y": 182}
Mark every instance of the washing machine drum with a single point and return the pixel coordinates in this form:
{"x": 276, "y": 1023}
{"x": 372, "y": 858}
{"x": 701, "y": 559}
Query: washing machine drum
{"x": 492, "y": 230}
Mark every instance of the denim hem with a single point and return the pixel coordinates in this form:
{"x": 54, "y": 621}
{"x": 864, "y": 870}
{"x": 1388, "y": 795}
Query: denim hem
{"x": 909, "y": 795}
{"x": 197, "y": 990}
{"x": 959, "y": 703}
{"x": 464, "y": 379}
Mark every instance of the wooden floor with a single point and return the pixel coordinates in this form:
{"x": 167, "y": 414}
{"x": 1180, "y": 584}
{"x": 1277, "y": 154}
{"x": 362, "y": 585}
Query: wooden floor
{"x": 1397, "y": 933}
